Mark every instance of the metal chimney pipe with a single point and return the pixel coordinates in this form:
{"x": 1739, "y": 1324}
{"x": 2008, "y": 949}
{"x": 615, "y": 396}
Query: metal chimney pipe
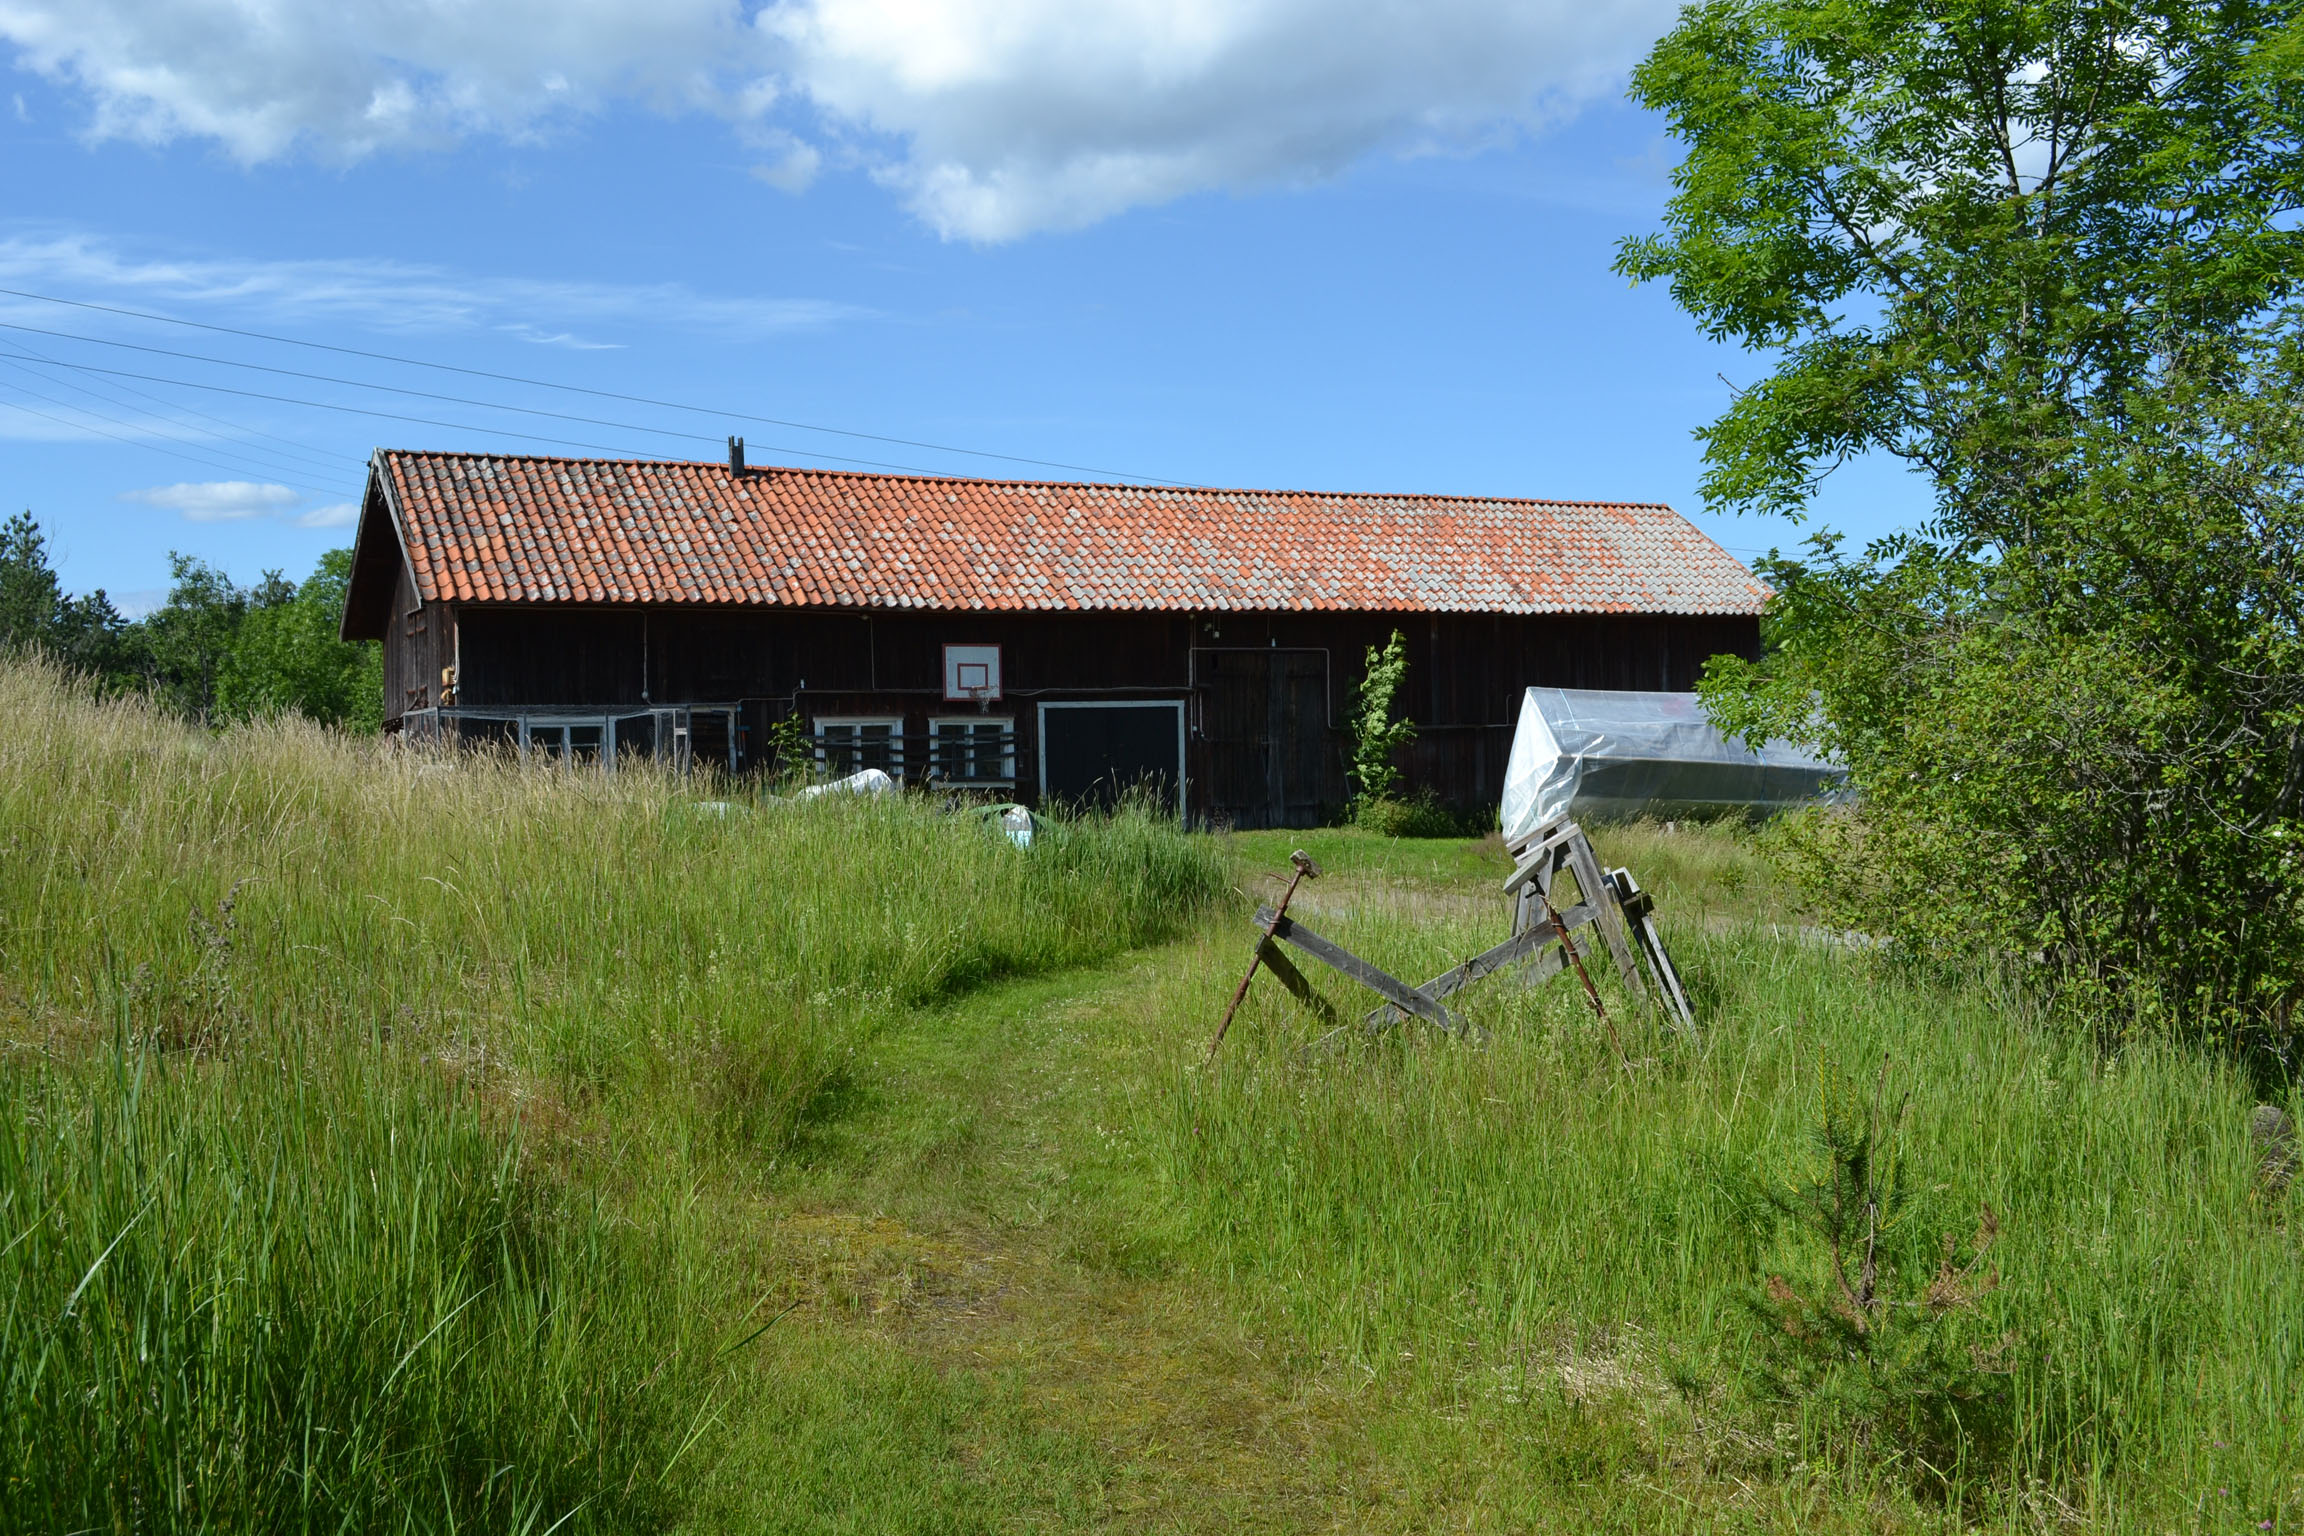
{"x": 735, "y": 455}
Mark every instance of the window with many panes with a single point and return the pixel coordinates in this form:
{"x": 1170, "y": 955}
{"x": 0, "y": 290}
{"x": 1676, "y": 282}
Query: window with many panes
{"x": 973, "y": 749}
{"x": 847, "y": 744}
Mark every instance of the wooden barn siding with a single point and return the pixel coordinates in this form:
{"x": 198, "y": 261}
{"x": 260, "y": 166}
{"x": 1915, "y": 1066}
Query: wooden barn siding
{"x": 1465, "y": 671}
{"x": 419, "y": 641}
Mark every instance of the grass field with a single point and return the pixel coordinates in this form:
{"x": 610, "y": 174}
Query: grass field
{"x": 399, "y": 1145}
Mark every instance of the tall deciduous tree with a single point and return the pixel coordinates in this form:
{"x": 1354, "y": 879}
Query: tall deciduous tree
{"x": 2048, "y": 254}
{"x": 214, "y": 651}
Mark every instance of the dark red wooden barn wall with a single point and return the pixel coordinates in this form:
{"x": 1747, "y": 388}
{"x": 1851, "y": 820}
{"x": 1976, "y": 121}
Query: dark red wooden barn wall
{"x": 1465, "y": 671}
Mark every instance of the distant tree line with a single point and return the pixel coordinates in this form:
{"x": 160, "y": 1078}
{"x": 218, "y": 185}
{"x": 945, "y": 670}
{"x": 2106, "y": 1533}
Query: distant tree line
{"x": 214, "y": 652}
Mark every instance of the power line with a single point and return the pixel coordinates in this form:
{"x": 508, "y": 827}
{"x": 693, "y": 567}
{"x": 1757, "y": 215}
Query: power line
{"x": 133, "y": 442}
{"x": 392, "y": 389}
{"x": 206, "y": 454}
{"x": 457, "y": 426}
{"x": 295, "y": 449}
{"x": 277, "y": 463}
{"x": 355, "y": 410}
{"x": 603, "y": 394}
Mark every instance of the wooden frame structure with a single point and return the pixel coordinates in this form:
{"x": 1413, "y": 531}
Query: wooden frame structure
{"x": 1542, "y": 942}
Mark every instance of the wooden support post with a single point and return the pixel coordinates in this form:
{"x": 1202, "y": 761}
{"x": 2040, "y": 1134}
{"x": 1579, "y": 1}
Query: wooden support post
{"x": 1566, "y": 847}
{"x": 1601, "y": 891}
{"x": 1640, "y": 911}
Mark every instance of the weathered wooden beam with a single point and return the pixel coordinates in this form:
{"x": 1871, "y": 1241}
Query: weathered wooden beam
{"x": 1539, "y": 859}
{"x": 1640, "y": 911}
{"x": 1481, "y": 966}
{"x": 1601, "y": 892}
{"x": 1336, "y": 957}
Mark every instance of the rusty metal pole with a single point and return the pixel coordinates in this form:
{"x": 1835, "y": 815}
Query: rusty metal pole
{"x": 1585, "y": 977}
{"x": 1305, "y": 870}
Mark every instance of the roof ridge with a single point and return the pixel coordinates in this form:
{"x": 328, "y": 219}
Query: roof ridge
{"x": 923, "y": 478}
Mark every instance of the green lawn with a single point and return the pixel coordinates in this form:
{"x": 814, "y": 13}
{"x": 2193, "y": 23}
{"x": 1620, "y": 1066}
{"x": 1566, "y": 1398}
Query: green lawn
{"x": 416, "y": 1146}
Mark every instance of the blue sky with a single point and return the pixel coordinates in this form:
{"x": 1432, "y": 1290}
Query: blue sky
{"x": 1269, "y": 243}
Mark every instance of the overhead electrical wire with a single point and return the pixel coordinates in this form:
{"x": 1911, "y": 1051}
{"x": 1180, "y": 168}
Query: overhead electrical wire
{"x": 133, "y": 442}
{"x": 461, "y": 426}
{"x": 392, "y": 389}
{"x": 290, "y": 447}
{"x": 354, "y": 410}
{"x": 603, "y": 394}
{"x": 271, "y": 461}
{"x": 206, "y": 453}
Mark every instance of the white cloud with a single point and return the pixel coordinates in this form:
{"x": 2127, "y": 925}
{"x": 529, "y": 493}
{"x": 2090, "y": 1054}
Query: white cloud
{"x": 342, "y": 514}
{"x": 136, "y": 604}
{"x": 794, "y": 170}
{"x": 393, "y": 295}
{"x": 218, "y": 501}
{"x": 991, "y": 118}
{"x": 344, "y": 78}
{"x": 1017, "y": 115}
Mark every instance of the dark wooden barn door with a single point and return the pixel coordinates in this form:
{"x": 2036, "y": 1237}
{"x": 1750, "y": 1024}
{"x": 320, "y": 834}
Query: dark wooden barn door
{"x": 1264, "y": 718}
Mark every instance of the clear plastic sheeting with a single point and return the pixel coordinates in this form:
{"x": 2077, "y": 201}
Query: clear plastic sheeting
{"x": 1600, "y": 755}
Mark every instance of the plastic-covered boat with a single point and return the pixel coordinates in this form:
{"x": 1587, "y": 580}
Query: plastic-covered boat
{"x": 1603, "y": 755}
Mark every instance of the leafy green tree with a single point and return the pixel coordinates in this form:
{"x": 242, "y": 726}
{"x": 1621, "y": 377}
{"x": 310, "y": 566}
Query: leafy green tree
{"x": 31, "y": 598}
{"x": 2047, "y": 254}
{"x": 286, "y": 656}
{"x": 188, "y": 640}
{"x": 213, "y": 651}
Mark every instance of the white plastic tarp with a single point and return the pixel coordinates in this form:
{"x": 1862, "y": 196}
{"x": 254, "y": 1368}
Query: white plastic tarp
{"x": 1597, "y": 754}
{"x": 870, "y": 782}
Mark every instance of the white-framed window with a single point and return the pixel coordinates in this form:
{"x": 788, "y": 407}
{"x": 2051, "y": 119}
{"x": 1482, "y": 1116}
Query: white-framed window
{"x": 565, "y": 739}
{"x": 847, "y": 744}
{"x": 972, "y": 749}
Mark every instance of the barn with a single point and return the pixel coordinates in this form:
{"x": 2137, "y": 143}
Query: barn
{"x": 1039, "y": 641}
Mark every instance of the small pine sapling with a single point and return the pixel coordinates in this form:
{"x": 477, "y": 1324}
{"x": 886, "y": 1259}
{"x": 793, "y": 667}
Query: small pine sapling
{"x": 1375, "y": 734}
{"x": 1882, "y": 1341}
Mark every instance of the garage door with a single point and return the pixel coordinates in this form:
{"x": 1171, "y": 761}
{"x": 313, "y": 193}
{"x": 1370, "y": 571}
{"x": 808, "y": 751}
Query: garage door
{"x": 1092, "y": 754}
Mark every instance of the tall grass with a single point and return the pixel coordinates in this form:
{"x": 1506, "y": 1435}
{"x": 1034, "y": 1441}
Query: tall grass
{"x": 1498, "y": 1226}
{"x": 358, "y": 1097}
{"x": 570, "y": 935}
{"x": 289, "y": 1294}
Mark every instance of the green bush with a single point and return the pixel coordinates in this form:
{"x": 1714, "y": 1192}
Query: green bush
{"x": 1418, "y": 815}
{"x": 1376, "y": 736}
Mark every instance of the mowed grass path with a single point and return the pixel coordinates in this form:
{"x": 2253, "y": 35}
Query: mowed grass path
{"x": 1421, "y": 1288}
{"x": 987, "y": 1254}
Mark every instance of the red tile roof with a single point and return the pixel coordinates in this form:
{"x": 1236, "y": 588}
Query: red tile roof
{"x": 488, "y": 529}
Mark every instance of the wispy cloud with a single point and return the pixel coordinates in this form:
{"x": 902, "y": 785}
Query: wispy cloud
{"x": 392, "y": 295}
{"x": 341, "y": 514}
{"x": 136, "y": 604}
{"x": 218, "y": 501}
